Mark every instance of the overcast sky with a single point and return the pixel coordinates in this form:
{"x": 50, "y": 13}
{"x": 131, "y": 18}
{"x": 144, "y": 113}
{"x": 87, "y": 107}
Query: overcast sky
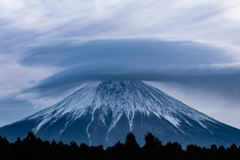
{"x": 188, "y": 49}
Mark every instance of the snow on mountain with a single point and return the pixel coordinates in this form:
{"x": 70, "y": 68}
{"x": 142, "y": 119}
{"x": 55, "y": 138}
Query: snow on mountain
{"x": 120, "y": 97}
{"x": 104, "y": 112}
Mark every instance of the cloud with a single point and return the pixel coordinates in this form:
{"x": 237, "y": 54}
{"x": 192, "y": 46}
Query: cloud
{"x": 13, "y": 110}
{"x": 129, "y": 59}
{"x": 214, "y": 23}
{"x": 221, "y": 82}
{"x": 104, "y": 59}
{"x": 14, "y": 76}
{"x": 127, "y": 52}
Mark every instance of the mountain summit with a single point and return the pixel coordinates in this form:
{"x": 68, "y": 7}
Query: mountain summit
{"x": 103, "y": 113}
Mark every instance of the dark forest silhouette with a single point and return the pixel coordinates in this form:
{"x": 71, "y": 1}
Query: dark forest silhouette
{"x": 32, "y": 148}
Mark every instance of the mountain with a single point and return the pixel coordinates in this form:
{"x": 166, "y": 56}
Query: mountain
{"x": 103, "y": 113}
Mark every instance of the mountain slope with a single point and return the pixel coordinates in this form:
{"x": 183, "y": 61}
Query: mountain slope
{"x": 104, "y": 112}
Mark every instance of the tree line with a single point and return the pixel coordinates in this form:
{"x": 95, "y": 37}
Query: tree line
{"x": 33, "y": 148}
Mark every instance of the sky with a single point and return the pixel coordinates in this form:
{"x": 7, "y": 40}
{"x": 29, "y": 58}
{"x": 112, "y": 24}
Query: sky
{"x": 188, "y": 49}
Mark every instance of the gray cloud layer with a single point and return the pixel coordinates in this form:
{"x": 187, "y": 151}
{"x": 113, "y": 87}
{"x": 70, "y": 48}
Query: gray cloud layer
{"x": 180, "y": 62}
{"x": 134, "y": 52}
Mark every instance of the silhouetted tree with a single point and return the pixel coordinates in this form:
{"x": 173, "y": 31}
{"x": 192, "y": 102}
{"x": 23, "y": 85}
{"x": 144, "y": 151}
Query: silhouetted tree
{"x": 131, "y": 142}
{"x": 233, "y": 148}
{"x": 5, "y": 152}
{"x": 132, "y": 147}
{"x": 153, "y": 147}
{"x": 32, "y": 147}
{"x": 173, "y": 151}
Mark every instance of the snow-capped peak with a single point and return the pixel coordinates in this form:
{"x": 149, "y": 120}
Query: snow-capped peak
{"x": 119, "y": 97}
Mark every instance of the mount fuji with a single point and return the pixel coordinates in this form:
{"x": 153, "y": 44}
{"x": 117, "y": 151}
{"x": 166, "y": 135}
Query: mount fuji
{"x": 104, "y": 112}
